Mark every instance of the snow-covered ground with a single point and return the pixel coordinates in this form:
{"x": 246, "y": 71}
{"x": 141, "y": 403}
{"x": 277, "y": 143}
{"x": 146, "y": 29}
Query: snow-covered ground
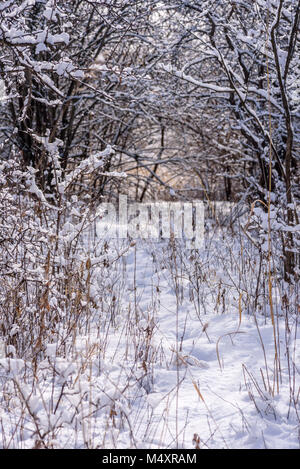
{"x": 177, "y": 359}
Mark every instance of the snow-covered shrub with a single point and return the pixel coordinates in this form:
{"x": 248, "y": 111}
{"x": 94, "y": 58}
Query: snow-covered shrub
{"x": 50, "y": 279}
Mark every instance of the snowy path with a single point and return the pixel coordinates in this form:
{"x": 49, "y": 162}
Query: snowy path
{"x": 226, "y": 417}
{"x": 142, "y": 372}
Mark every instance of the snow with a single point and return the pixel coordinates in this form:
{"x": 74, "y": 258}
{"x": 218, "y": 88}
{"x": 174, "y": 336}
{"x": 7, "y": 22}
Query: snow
{"x": 144, "y": 344}
{"x": 157, "y": 376}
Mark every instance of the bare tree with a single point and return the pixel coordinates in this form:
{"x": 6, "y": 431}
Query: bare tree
{"x": 72, "y": 76}
{"x": 244, "y": 57}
